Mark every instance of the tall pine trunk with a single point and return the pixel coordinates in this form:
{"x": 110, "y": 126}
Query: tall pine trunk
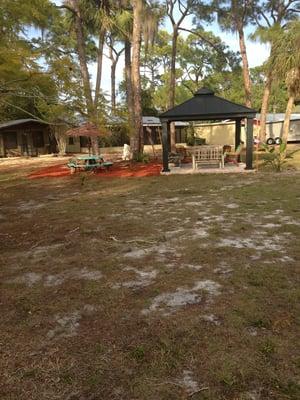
{"x": 112, "y": 77}
{"x": 129, "y": 97}
{"x": 137, "y": 139}
{"x": 287, "y": 118}
{"x": 80, "y": 42}
{"x": 264, "y": 107}
{"x": 113, "y": 85}
{"x": 99, "y": 65}
{"x": 246, "y": 72}
{"x": 172, "y": 86}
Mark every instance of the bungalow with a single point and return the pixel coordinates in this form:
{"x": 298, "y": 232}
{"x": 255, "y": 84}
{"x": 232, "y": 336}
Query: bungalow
{"x": 25, "y": 137}
{"x": 30, "y": 137}
{"x": 152, "y": 136}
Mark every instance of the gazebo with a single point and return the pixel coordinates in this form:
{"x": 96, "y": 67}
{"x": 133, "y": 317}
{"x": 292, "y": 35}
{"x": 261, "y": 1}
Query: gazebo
{"x": 206, "y": 106}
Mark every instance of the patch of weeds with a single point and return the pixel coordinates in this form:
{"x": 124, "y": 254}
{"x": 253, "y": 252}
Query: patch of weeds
{"x": 138, "y": 353}
{"x": 260, "y": 323}
{"x": 291, "y": 389}
{"x": 297, "y": 362}
{"x": 99, "y": 348}
{"x": 66, "y": 377}
{"x": 30, "y": 373}
{"x": 268, "y": 348}
{"x": 228, "y": 379}
{"x": 95, "y": 378}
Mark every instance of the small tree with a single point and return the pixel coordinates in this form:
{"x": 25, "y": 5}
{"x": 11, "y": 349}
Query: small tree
{"x": 286, "y": 65}
{"x": 58, "y": 131}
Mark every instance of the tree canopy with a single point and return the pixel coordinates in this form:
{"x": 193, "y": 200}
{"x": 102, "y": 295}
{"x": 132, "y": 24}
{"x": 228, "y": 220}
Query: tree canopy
{"x": 52, "y": 56}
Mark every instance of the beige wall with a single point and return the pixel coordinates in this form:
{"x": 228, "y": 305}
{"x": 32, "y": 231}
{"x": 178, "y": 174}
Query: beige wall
{"x": 219, "y": 133}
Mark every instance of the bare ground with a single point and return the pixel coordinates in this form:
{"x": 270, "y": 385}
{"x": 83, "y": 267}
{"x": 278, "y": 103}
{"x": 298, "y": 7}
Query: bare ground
{"x": 182, "y": 287}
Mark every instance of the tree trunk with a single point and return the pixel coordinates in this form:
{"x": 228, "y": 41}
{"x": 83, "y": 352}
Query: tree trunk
{"x": 246, "y": 72}
{"x": 95, "y": 145}
{"x": 129, "y": 98}
{"x": 99, "y": 65}
{"x": 80, "y": 42}
{"x": 82, "y": 56}
{"x": 287, "y": 117}
{"x": 60, "y": 137}
{"x": 172, "y": 86}
{"x": 113, "y": 85}
{"x": 112, "y": 76}
{"x": 138, "y": 140}
{"x": 264, "y": 108}
{"x": 128, "y": 75}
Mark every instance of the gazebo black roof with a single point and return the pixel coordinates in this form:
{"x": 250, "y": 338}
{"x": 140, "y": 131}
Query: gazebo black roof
{"x": 206, "y": 106}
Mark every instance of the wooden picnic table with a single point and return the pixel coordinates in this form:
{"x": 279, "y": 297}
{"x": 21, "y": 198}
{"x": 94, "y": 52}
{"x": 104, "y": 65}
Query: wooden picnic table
{"x": 88, "y": 163}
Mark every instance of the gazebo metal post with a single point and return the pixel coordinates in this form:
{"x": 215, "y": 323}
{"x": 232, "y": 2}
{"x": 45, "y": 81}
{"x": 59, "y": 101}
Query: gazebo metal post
{"x": 237, "y": 132}
{"x": 165, "y": 145}
{"x": 249, "y": 144}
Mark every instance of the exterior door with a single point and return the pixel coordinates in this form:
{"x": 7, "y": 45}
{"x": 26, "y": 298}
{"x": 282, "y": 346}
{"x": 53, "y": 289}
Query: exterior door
{"x": 10, "y": 143}
{"x": 24, "y": 144}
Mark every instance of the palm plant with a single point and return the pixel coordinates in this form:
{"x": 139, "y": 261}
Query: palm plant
{"x": 234, "y": 16}
{"x": 271, "y": 18}
{"x": 285, "y": 64}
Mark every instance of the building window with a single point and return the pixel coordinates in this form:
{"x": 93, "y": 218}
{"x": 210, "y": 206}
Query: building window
{"x": 38, "y": 139}
{"x": 71, "y": 140}
{"x": 84, "y": 141}
{"x": 10, "y": 140}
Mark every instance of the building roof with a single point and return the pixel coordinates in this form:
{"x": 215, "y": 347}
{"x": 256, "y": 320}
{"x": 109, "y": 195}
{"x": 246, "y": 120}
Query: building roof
{"x": 16, "y": 122}
{"x": 206, "y": 106}
{"x": 155, "y": 121}
{"x": 278, "y": 117}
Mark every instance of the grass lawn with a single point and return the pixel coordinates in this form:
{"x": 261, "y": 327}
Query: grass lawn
{"x": 173, "y": 287}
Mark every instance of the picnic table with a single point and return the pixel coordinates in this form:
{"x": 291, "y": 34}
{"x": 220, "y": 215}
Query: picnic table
{"x": 88, "y": 163}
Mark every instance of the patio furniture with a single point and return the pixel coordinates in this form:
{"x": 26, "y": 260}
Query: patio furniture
{"x": 207, "y": 155}
{"x": 176, "y": 158}
{"x": 234, "y": 157}
{"x": 88, "y": 163}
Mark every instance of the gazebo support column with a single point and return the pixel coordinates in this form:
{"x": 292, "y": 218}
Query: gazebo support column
{"x": 249, "y": 144}
{"x": 237, "y": 132}
{"x": 165, "y": 145}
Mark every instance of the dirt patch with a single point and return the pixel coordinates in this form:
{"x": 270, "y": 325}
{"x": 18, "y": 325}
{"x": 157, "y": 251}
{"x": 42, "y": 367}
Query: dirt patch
{"x": 67, "y": 325}
{"x": 32, "y": 278}
{"x": 158, "y": 251}
{"x": 211, "y": 318}
{"x": 29, "y": 279}
{"x": 26, "y": 206}
{"x": 144, "y": 278}
{"x": 167, "y": 303}
{"x": 251, "y": 243}
{"x": 188, "y": 382}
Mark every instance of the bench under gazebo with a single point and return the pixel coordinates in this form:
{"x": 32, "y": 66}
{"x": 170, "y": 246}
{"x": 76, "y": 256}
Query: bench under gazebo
{"x": 205, "y": 106}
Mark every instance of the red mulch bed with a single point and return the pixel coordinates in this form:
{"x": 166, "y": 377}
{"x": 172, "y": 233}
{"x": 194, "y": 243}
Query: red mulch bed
{"x": 118, "y": 170}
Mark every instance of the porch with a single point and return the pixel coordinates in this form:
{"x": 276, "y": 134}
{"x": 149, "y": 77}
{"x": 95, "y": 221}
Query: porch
{"x": 188, "y": 169}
